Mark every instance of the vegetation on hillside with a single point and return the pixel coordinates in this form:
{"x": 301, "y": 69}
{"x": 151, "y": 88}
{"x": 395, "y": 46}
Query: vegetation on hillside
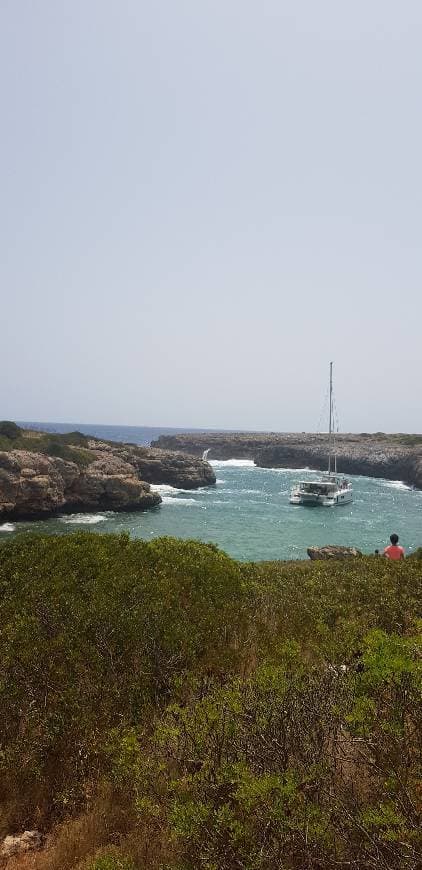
{"x": 404, "y": 439}
{"x": 72, "y": 446}
{"x": 164, "y": 706}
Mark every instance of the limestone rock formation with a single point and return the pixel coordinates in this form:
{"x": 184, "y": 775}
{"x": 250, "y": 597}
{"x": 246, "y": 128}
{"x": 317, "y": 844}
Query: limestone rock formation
{"x": 117, "y": 477}
{"x": 395, "y": 457}
{"x": 332, "y": 552}
{"x": 165, "y": 466}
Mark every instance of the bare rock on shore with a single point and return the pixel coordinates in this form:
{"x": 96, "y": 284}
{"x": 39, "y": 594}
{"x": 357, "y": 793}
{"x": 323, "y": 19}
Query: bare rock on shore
{"x": 32, "y": 484}
{"x": 26, "y": 842}
{"x": 165, "y": 466}
{"x": 332, "y": 552}
{"x": 110, "y": 484}
{"x": 156, "y": 466}
{"x": 116, "y": 477}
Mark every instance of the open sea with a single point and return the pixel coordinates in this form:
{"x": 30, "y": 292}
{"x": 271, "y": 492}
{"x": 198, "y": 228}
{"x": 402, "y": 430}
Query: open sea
{"x": 247, "y": 513}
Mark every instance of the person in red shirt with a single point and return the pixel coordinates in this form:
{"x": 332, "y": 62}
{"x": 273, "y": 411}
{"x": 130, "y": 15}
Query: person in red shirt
{"x": 394, "y": 551}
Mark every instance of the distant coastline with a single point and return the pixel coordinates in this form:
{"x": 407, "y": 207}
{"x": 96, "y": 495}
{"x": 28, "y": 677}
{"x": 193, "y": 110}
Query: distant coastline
{"x": 392, "y": 456}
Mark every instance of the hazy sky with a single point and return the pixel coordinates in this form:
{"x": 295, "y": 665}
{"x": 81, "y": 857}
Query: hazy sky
{"x": 202, "y": 203}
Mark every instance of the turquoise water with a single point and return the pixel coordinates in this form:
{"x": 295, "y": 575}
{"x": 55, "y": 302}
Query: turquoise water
{"x": 247, "y": 513}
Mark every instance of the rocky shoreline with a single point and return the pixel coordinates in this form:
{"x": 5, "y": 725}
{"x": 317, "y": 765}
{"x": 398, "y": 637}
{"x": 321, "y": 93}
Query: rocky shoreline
{"x": 91, "y": 475}
{"x": 118, "y": 477}
{"x": 394, "y": 457}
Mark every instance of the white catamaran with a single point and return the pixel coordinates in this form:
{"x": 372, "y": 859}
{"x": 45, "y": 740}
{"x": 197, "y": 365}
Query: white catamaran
{"x": 330, "y": 489}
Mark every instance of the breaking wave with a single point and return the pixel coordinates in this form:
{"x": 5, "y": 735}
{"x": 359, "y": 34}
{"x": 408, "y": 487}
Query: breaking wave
{"x": 171, "y": 499}
{"x": 239, "y": 463}
{"x": 166, "y": 489}
{"x": 288, "y": 470}
{"x": 7, "y": 527}
{"x": 396, "y": 484}
{"x": 83, "y": 519}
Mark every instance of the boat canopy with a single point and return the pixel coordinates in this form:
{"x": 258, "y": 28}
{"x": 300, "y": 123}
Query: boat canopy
{"x": 317, "y": 486}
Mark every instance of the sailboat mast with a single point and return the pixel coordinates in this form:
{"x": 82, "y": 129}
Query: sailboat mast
{"x": 330, "y": 430}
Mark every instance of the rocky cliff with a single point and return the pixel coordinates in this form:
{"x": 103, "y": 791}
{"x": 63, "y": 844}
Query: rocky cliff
{"x": 111, "y": 477}
{"x": 395, "y": 457}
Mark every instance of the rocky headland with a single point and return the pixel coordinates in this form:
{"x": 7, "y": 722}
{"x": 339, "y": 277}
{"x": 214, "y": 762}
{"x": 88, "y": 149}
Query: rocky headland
{"x": 43, "y": 475}
{"x": 395, "y": 457}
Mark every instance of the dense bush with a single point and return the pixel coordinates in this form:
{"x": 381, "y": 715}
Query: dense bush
{"x": 237, "y": 715}
{"x": 295, "y": 766}
{"x": 94, "y": 632}
{"x": 10, "y": 430}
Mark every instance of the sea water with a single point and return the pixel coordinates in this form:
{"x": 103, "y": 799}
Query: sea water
{"x": 247, "y": 512}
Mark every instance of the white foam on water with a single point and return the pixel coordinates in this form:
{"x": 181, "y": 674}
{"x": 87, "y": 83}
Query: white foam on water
{"x": 83, "y": 519}
{"x": 305, "y": 468}
{"x": 396, "y": 484}
{"x": 250, "y": 491}
{"x": 289, "y": 470}
{"x": 220, "y": 481}
{"x": 7, "y": 527}
{"x": 170, "y": 499}
{"x": 166, "y": 489}
{"x": 240, "y": 463}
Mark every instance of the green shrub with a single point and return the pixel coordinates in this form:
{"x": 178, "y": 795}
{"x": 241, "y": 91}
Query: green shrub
{"x": 239, "y": 715}
{"x": 5, "y": 443}
{"x": 95, "y": 631}
{"x": 293, "y": 762}
{"x": 76, "y": 439}
{"x": 409, "y": 440}
{"x": 417, "y": 554}
{"x": 111, "y": 860}
{"x": 10, "y": 430}
{"x": 80, "y": 456}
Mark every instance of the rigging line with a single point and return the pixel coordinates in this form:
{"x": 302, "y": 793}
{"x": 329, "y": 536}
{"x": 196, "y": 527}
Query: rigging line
{"x": 336, "y": 427}
{"x": 323, "y": 412}
{"x": 336, "y": 415}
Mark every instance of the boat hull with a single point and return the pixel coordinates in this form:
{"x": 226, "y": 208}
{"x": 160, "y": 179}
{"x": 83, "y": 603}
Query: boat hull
{"x": 314, "y": 500}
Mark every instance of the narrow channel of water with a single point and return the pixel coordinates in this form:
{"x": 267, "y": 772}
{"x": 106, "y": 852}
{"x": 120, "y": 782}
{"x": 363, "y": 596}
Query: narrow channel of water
{"x": 247, "y": 513}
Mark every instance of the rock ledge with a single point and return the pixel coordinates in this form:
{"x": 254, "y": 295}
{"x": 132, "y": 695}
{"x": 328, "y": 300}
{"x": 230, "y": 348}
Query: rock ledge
{"x": 332, "y": 552}
{"x": 115, "y": 477}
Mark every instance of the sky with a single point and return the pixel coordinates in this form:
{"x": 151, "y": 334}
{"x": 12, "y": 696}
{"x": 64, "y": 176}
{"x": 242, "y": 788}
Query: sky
{"x": 203, "y": 203}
